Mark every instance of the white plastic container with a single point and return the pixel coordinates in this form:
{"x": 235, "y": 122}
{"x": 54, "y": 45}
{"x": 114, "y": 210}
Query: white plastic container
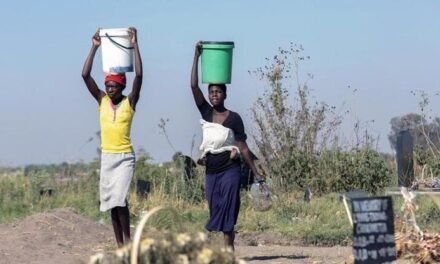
{"x": 117, "y": 51}
{"x": 261, "y": 195}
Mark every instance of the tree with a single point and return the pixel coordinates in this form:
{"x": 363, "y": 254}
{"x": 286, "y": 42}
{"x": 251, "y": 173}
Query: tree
{"x": 411, "y": 122}
{"x": 425, "y": 135}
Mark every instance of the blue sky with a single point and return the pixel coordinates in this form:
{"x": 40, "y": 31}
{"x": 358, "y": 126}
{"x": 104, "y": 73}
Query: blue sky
{"x": 384, "y": 49}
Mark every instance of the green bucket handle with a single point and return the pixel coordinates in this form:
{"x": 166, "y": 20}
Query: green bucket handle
{"x": 116, "y": 43}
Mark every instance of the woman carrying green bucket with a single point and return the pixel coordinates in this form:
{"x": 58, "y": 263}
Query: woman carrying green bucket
{"x": 224, "y": 141}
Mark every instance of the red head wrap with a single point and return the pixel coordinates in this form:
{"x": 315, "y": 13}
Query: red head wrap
{"x": 117, "y": 78}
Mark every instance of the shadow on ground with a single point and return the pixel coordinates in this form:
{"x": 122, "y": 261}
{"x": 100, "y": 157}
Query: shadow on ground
{"x": 262, "y": 258}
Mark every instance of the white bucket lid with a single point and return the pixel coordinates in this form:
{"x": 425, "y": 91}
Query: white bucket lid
{"x": 114, "y": 32}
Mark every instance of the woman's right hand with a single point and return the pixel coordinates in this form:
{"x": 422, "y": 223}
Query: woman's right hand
{"x": 96, "y": 39}
{"x": 198, "y": 48}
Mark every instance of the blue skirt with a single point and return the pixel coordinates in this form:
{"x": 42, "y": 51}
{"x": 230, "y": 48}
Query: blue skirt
{"x": 223, "y": 195}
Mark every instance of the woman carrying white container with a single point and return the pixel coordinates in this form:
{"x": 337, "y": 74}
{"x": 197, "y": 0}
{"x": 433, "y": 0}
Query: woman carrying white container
{"x": 116, "y": 114}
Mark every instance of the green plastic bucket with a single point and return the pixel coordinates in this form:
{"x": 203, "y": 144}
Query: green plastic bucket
{"x": 217, "y": 62}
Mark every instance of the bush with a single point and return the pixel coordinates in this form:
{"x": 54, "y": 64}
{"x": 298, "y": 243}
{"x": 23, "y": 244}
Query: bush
{"x": 170, "y": 178}
{"x": 296, "y": 137}
{"x": 363, "y": 169}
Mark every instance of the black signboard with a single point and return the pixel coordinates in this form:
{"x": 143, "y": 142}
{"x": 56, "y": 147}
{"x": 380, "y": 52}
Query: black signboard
{"x": 373, "y": 230}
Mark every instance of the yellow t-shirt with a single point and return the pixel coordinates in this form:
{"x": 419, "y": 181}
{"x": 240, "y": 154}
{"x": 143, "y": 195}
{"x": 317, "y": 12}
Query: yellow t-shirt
{"x": 115, "y": 123}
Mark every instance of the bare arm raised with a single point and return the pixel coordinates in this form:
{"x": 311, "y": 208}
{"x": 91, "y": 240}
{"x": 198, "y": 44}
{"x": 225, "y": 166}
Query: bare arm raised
{"x": 133, "y": 97}
{"x": 88, "y": 79}
{"x": 197, "y": 93}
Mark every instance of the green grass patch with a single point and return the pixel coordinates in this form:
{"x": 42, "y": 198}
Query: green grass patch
{"x": 323, "y": 221}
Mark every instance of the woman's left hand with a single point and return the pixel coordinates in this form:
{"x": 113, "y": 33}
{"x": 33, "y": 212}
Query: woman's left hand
{"x": 132, "y": 34}
{"x": 260, "y": 177}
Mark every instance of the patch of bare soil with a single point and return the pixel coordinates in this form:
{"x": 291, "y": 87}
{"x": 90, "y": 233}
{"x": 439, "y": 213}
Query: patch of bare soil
{"x": 293, "y": 254}
{"x": 60, "y": 236}
{"x": 271, "y": 248}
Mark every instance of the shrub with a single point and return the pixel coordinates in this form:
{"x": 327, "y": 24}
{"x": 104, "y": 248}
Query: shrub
{"x": 296, "y": 137}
